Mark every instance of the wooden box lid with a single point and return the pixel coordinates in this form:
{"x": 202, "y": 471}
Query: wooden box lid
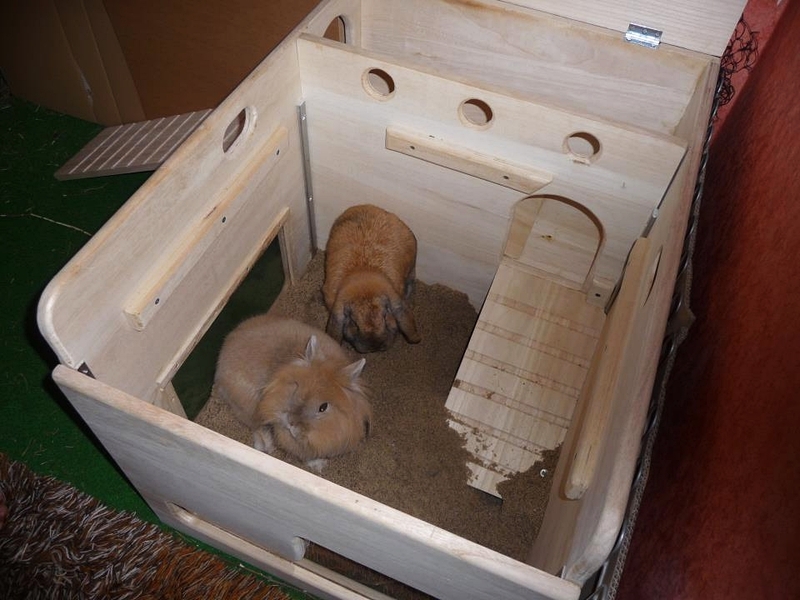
{"x": 701, "y": 25}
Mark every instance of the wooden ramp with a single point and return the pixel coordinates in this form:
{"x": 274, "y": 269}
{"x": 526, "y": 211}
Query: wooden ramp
{"x": 522, "y": 373}
{"x": 131, "y": 148}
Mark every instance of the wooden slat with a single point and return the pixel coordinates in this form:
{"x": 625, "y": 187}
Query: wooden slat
{"x": 168, "y": 272}
{"x": 516, "y": 389}
{"x": 156, "y": 228}
{"x": 616, "y": 351}
{"x": 131, "y": 148}
{"x": 465, "y": 160}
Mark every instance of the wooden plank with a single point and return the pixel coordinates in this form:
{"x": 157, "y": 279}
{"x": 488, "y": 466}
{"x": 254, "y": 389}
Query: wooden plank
{"x": 168, "y": 273}
{"x": 465, "y": 160}
{"x": 235, "y": 277}
{"x": 615, "y": 352}
{"x": 539, "y": 56}
{"x": 518, "y": 384}
{"x": 273, "y": 506}
{"x": 701, "y": 26}
{"x": 131, "y": 148}
{"x": 167, "y": 398}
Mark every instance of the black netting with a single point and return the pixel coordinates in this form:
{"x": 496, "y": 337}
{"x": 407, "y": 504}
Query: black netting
{"x": 741, "y": 53}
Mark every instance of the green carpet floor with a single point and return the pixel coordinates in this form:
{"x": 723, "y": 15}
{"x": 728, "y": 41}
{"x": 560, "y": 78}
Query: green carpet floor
{"x": 43, "y": 222}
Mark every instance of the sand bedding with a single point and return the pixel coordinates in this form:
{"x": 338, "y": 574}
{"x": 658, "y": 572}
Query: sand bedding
{"x": 413, "y": 461}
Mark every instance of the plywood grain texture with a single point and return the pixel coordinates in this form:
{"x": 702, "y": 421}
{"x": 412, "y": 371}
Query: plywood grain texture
{"x": 543, "y": 314}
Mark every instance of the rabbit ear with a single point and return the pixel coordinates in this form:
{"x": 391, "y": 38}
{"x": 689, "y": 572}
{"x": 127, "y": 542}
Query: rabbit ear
{"x": 405, "y": 319}
{"x": 335, "y": 327}
{"x": 311, "y": 348}
{"x": 353, "y": 370}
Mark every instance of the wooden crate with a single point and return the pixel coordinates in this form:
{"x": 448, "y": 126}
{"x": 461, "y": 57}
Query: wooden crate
{"x": 546, "y": 165}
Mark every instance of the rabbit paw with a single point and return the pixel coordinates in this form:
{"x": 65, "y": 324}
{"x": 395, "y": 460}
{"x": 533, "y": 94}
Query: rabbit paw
{"x": 317, "y": 464}
{"x": 262, "y": 440}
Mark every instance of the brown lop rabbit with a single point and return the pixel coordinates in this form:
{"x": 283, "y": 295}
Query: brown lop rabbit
{"x": 370, "y": 261}
{"x": 295, "y": 387}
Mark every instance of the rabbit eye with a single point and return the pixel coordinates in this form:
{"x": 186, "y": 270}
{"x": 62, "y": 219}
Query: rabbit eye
{"x": 323, "y": 407}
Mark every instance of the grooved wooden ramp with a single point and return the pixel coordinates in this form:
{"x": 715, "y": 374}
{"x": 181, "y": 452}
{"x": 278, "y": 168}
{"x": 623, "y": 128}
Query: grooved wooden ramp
{"x": 522, "y": 373}
{"x": 131, "y": 148}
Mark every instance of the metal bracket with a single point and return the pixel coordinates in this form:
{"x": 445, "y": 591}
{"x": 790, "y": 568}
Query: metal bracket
{"x": 302, "y": 119}
{"x": 644, "y": 36}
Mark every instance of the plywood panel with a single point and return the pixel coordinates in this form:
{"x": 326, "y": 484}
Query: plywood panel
{"x": 159, "y": 224}
{"x": 271, "y": 505}
{"x": 539, "y": 56}
{"x": 578, "y": 535}
{"x": 702, "y": 26}
{"x": 619, "y": 184}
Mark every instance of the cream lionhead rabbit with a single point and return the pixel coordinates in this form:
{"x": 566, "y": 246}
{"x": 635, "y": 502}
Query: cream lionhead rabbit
{"x": 294, "y": 387}
{"x": 370, "y": 261}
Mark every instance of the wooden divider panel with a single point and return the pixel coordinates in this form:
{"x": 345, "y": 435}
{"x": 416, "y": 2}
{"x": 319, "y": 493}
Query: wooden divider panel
{"x": 353, "y": 97}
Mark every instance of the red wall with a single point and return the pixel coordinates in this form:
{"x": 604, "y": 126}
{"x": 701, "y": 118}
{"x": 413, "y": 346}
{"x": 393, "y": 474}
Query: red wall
{"x": 720, "y": 517}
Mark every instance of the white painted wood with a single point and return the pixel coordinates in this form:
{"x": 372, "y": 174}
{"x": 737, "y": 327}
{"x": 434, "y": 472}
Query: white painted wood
{"x": 273, "y": 505}
{"x": 131, "y": 148}
{"x": 702, "y": 26}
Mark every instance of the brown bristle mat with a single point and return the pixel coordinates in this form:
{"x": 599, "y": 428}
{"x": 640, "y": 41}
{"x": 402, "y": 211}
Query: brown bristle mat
{"x": 59, "y": 543}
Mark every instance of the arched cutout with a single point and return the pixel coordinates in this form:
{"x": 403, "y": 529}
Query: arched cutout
{"x": 235, "y": 131}
{"x": 556, "y": 236}
{"x": 337, "y": 30}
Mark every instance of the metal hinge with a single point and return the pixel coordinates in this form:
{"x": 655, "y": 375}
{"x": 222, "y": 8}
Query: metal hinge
{"x": 644, "y": 36}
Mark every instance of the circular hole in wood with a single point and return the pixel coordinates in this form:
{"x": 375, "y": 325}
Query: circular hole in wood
{"x": 336, "y": 30}
{"x": 378, "y": 84}
{"x": 235, "y": 129}
{"x": 475, "y": 112}
{"x": 583, "y": 146}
